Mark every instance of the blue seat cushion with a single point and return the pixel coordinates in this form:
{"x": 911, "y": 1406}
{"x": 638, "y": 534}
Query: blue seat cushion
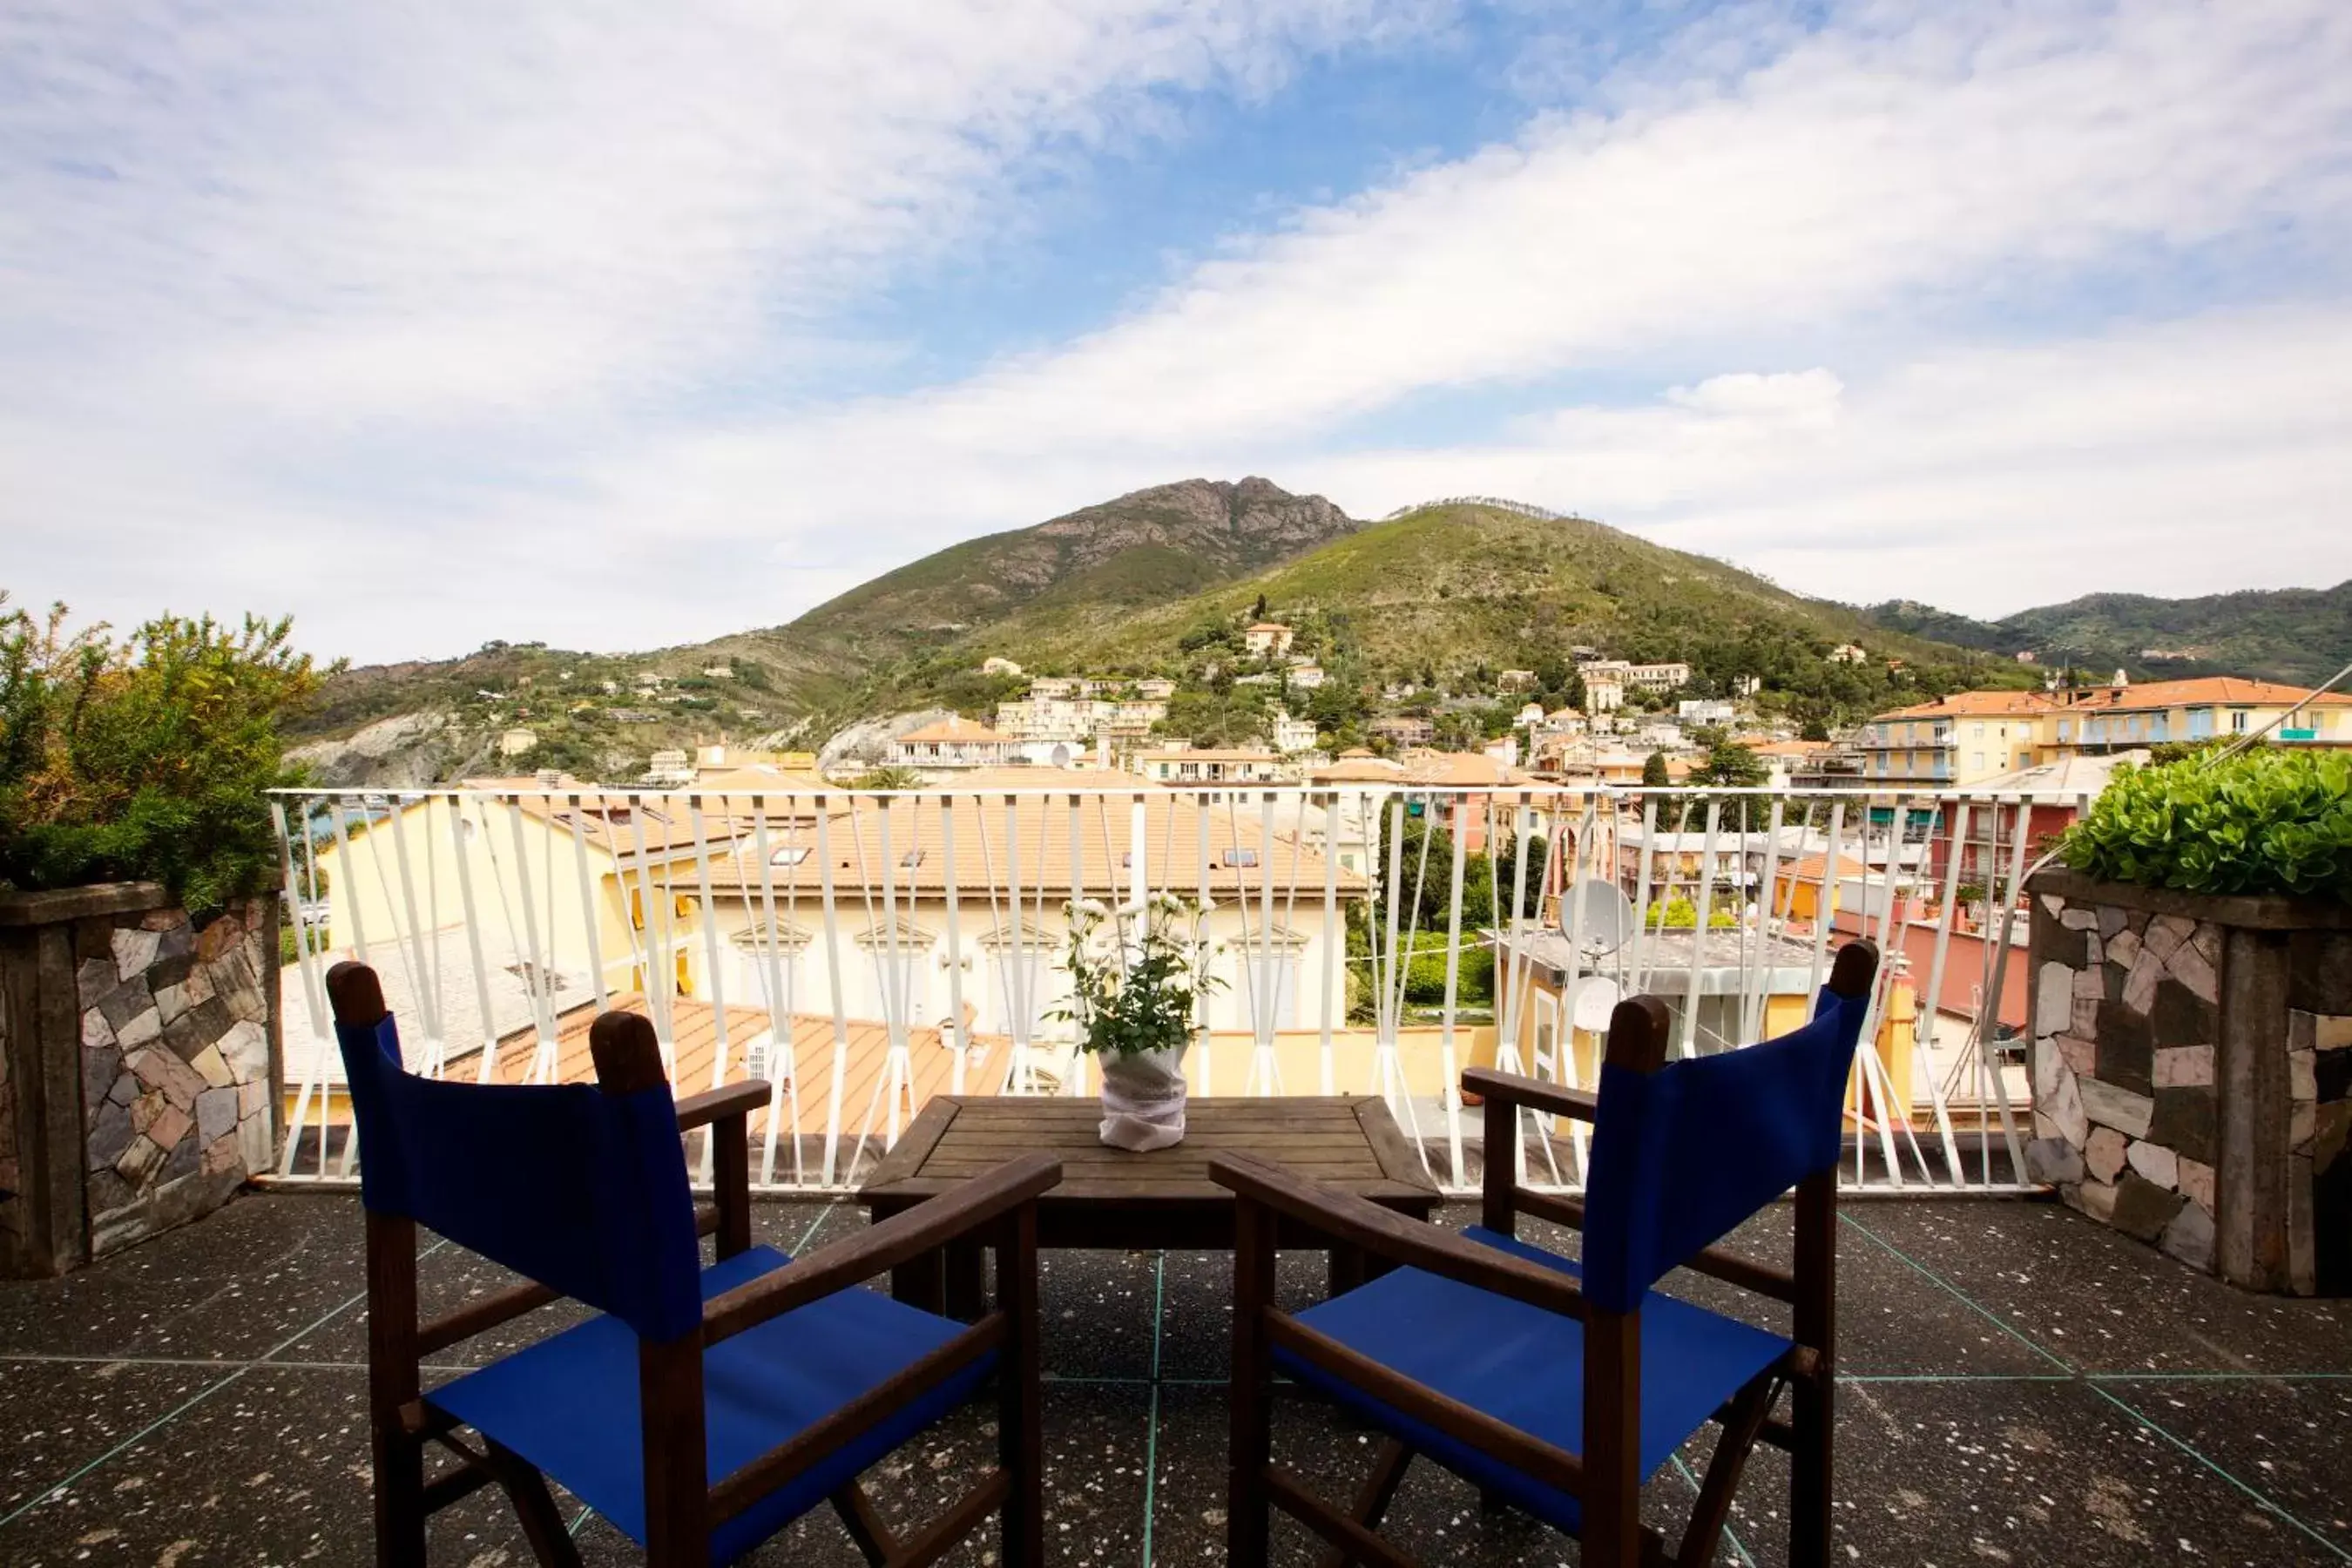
{"x": 1524, "y": 1366}
{"x": 569, "y": 1404}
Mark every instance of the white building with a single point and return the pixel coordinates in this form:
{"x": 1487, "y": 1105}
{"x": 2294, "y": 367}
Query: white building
{"x": 1706, "y": 711}
{"x": 1268, "y": 639}
{"x": 995, "y": 664}
{"x": 1293, "y": 734}
{"x": 1847, "y": 653}
{"x": 1528, "y": 716}
{"x": 954, "y": 742}
{"x": 1304, "y": 676}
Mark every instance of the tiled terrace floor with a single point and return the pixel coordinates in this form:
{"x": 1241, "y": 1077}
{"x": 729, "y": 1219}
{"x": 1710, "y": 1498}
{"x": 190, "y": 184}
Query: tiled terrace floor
{"x": 2020, "y": 1386}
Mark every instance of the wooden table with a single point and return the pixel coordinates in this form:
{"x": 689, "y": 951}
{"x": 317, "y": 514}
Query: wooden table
{"x": 1112, "y": 1198}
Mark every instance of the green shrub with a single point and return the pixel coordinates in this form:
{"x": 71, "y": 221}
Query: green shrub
{"x": 2267, "y": 821}
{"x": 1424, "y": 976}
{"x": 146, "y": 758}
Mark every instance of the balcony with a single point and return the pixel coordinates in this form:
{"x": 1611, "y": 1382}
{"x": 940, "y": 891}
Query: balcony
{"x": 867, "y": 952}
{"x": 2020, "y": 1385}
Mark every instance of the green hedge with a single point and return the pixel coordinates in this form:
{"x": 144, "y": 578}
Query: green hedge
{"x": 146, "y": 758}
{"x": 2266, "y": 821}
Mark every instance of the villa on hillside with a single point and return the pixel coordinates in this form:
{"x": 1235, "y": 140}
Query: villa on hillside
{"x": 1268, "y": 639}
{"x": 953, "y": 743}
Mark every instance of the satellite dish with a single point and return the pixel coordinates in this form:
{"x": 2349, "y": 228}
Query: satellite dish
{"x": 1599, "y": 912}
{"x": 1591, "y": 1003}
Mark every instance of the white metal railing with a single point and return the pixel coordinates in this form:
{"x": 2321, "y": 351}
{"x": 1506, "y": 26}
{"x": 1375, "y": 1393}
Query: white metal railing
{"x": 866, "y": 951}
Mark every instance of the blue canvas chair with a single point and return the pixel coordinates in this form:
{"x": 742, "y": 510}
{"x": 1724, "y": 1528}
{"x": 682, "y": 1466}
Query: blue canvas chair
{"x": 705, "y": 1408}
{"x": 1560, "y": 1386}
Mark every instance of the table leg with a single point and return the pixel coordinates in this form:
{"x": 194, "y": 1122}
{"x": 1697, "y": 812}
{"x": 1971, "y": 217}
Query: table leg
{"x": 921, "y": 1281}
{"x": 964, "y": 1287}
{"x": 1346, "y": 1269}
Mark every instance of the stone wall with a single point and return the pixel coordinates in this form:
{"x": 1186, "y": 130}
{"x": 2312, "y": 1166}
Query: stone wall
{"x": 2192, "y": 1075}
{"x": 140, "y": 1055}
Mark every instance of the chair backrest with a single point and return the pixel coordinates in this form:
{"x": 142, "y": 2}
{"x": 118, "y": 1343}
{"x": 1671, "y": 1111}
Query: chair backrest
{"x": 582, "y": 1189}
{"x": 1682, "y": 1153}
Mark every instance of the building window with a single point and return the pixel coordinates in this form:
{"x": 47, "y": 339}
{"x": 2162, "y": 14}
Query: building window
{"x": 2238, "y": 721}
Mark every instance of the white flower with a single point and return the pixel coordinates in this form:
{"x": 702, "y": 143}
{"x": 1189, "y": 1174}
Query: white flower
{"x": 1094, "y": 907}
{"x": 1208, "y": 907}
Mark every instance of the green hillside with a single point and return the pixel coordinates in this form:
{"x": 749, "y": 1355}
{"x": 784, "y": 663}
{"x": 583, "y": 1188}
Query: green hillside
{"x": 2300, "y": 636}
{"x": 1446, "y": 595}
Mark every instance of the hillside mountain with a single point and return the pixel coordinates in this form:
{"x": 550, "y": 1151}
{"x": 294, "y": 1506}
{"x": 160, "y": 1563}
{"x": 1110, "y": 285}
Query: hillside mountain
{"x": 1145, "y": 547}
{"x": 1444, "y": 591}
{"x": 792, "y": 683}
{"x": 2300, "y": 636}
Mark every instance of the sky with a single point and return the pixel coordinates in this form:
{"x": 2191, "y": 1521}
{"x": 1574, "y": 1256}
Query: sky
{"x": 619, "y": 326}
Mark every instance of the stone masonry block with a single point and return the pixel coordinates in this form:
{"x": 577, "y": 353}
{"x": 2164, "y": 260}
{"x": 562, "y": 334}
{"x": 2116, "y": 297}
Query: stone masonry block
{"x": 213, "y": 1067}
{"x": 2197, "y": 1183}
{"x": 2120, "y": 1108}
{"x": 2187, "y": 1123}
{"x": 2079, "y": 1054}
{"x": 2066, "y": 1110}
{"x": 2098, "y": 1201}
{"x": 2142, "y": 1209}
{"x": 2181, "y": 1017}
{"x": 2190, "y": 966}
{"x": 2126, "y": 1049}
{"x": 2188, "y": 1236}
{"x": 2140, "y": 989}
{"x": 134, "y": 950}
{"x": 144, "y": 1029}
{"x": 2184, "y": 1066}
{"x": 2122, "y": 949}
{"x": 2166, "y": 932}
{"x": 2053, "y": 999}
{"x": 2103, "y": 1155}
{"x": 2053, "y": 1160}
{"x": 2155, "y": 1163}
{"x": 215, "y": 1115}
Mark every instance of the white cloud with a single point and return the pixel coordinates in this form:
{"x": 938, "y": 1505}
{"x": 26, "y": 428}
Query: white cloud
{"x": 511, "y": 258}
{"x": 2192, "y": 458}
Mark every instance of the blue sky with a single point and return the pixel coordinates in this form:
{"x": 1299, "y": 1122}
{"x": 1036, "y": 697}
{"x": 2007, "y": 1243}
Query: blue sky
{"x": 620, "y": 329}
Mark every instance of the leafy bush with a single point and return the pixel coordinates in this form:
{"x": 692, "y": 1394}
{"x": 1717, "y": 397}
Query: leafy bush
{"x": 1424, "y": 976}
{"x": 145, "y": 758}
{"x": 2267, "y": 821}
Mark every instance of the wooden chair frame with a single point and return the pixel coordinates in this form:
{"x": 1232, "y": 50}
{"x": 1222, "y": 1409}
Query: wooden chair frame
{"x": 997, "y": 1209}
{"x": 1606, "y": 1478}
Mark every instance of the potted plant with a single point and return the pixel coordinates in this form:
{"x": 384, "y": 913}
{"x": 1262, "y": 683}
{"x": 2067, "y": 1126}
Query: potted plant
{"x": 2191, "y": 1014}
{"x": 1137, "y": 976}
{"x": 1969, "y": 901}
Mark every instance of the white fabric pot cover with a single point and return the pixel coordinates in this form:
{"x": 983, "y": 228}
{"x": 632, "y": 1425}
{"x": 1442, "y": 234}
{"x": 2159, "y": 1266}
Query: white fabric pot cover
{"x": 1144, "y": 1099}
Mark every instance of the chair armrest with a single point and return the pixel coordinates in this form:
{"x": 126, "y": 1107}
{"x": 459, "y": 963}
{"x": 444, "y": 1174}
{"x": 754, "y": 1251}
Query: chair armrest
{"x": 718, "y": 1104}
{"x": 1360, "y": 1222}
{"x": 923, "y": 1228}
{"x": 1513, "y": 1090}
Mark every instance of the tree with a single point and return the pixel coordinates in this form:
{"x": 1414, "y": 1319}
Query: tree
{"x": 1654, "y": 771}
{"x": 1258, "y": 610}
{"x": 887, "y": 778}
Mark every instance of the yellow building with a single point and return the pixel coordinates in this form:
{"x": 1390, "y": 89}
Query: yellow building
{"x": 589, "y": 884}
{"x": 2099, "y": 720}
{"x": 1956, "y": 740}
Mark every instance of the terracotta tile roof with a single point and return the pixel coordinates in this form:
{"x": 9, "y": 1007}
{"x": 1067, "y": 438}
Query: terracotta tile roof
{"x": 954, "y": 727}
{"x": 987, "y": 831}
{"x": 1978, "y": 704}
{"x": 2226, "y": 690}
